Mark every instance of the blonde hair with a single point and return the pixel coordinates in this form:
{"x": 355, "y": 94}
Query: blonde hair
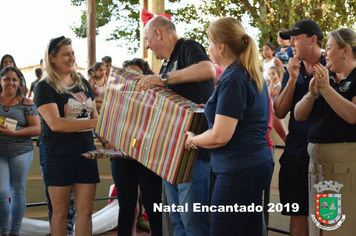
{"x": 229, "y": 31}
{"x": 52, "y": 76}
{"x": 345, "y": 38}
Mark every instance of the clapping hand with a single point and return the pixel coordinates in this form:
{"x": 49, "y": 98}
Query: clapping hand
{"x": 321, "y": 76}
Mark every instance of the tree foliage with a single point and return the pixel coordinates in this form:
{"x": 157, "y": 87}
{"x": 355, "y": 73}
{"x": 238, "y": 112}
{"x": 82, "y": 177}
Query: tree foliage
{"x": 267, "y": 15}
{"x": 125, "y": 13}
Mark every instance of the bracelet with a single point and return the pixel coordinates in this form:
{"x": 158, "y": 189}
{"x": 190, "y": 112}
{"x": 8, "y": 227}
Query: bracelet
{"x": 288, "y": 85}
{"x": 192, "y": 145}
{"x": 311, "y": 97}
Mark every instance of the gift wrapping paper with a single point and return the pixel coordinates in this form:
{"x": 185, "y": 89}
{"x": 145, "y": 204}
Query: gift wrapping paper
{"x": 149, "y": 125}
{"x": 105, "y": 153}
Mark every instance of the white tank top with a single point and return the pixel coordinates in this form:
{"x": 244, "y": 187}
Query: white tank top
{"x": 266, "y": 67}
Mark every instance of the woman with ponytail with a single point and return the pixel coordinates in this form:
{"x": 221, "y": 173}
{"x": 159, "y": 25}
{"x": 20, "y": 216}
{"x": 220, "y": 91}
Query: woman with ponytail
{"x": 237, "y": 115}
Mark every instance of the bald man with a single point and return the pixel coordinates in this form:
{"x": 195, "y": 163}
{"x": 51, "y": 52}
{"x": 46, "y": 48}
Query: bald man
{"x": 188, "y": 71}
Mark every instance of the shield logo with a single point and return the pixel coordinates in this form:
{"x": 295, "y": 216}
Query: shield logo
{"x": 328, "y": 208}
{"x": 345, "y": 87}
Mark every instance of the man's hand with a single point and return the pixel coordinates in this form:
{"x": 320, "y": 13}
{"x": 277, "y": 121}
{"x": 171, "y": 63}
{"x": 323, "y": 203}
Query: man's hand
{"x": 147, "y": 81}
{"x": 293, "y": 68}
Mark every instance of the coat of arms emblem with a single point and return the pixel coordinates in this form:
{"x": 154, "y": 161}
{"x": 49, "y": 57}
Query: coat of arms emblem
{"x": 328, "y": 206}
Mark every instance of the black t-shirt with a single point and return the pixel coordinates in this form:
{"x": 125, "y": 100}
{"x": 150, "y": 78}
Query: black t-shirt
{"x": 76, "y": 105}
{"x": 326, "y": 126}
{"x": 185, "y": 54}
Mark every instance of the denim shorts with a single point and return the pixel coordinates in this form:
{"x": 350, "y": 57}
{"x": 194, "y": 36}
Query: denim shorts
{"x": 64, "y": 165}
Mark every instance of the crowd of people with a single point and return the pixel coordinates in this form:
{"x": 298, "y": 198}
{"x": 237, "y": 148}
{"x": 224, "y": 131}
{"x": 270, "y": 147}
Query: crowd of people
{"x": 62, "y": 107}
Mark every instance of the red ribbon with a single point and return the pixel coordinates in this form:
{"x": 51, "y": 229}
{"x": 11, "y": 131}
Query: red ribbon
{"x": 146, "y": 16}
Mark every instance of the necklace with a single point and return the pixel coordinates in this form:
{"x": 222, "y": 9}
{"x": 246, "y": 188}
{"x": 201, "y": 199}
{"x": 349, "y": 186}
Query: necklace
{"x": 97, "y": 82}
{"x": 70, "y": 86}
{"x": 6, "y": 108}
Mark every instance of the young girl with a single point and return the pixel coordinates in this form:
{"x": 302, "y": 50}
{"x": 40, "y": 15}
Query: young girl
{"x": 274, "y": 87}
{"x": 98, "y": 83}
{"x": 269, "y": 61}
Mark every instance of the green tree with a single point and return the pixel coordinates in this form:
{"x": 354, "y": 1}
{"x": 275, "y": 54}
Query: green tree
{"x": 125, "y": 12}
{"x": 267, "y": 15}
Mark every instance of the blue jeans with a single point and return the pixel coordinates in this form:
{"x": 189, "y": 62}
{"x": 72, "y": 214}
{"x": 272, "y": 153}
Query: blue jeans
{"x": 196, "y": 191}
{"x": 243, "y": 187}
{"x": 13, "y": 175}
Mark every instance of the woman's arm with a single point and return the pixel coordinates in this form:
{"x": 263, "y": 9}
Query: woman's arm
{"x": 33, "y": 129}
{"x": 304, "y": 107}
{"x": 50, "y": 114}
{"x": 221, "y": 133}
{"x": 342, "y": 107}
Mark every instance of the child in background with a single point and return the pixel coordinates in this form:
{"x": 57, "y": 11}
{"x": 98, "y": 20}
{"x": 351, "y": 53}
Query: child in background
{"x": 284, "y": 52}
{"x": 274, "y": 87}
{"x": 98, "y": 82}
{"x": 269, "y": 61}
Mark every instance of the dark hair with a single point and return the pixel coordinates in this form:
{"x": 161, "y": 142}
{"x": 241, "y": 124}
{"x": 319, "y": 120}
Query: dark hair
{"x": 53, "y": 44}
{"x": 106, "y": 59}
{"x": 3, "y": 59}
{"x": 18, "y": 73}
{"x": 22, "y": 78}
{"x": 318, "y": 41}
{"x": 90, "y": 71}
{"x": 270, "y": 45}
{"x": 146, "y": 70}
{"x": 97, "y": 65}
{"x": 38, "y": 72}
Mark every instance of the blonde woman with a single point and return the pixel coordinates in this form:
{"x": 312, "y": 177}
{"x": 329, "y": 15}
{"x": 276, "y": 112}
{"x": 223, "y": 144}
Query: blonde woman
{"x": 237, "y": 114}
{"x": 66, "y": 104}
{"x": 331, "y": 106}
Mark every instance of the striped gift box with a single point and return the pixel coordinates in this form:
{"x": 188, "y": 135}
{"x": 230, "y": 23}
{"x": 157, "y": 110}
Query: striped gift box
{"x": 149, "y": 125}
{"x": 105, "y": 153}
